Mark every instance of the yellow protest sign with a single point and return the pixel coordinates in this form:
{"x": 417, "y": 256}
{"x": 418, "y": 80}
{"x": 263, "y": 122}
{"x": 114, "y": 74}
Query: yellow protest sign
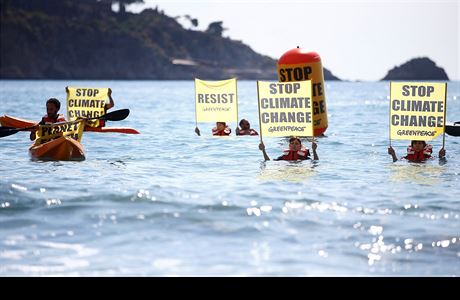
{"x": 285, "y": 108}
{"x": 312, "y": 70}
{"x": 86, "y": 103}
{"x": 216, "y": 101}
{"x": 46, "y": 133}
{"x": 417, "y": 110}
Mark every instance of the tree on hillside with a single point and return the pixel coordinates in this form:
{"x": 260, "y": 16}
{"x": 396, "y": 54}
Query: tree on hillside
{"x": 122, "y": 4}
{"x": 54, "y": 7}
{"x": 216, "y": 28}
{"x": 193, "y": 21}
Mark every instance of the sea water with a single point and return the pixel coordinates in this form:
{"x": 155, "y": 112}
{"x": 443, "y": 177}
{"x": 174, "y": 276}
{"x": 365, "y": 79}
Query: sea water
{"x": 169, "y": 202}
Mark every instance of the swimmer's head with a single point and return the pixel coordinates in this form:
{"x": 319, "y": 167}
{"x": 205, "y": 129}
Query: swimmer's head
{"x": 418, "y": 145}
{"x": 244, "y": 124}
{"x": 295, "y": 144}
{"x": 221, "y": 125}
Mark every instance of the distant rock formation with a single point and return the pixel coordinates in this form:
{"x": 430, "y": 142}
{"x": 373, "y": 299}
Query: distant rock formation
{"x": 329, "y": 76}
{"x": 85, "y": 39}
{"x": 421, "y": 68}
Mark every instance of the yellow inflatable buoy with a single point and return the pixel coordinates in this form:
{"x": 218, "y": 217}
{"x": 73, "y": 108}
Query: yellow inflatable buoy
{"x": 298, "y": 65}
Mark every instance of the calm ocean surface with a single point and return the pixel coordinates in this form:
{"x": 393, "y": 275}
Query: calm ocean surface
{"x": 167, "y": 202}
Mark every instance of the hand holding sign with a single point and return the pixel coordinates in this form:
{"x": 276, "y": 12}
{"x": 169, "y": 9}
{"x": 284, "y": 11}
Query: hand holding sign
{"x": 46, "y": 133}
{"x": 86, "y": 103}
{"x": 417, "y": 113}
{"x": 417, "y": 110}
{"x": 442, "y": 153}
{"x": 262, "y": 148}
{"x": 285, "y": 108}
{"x": 215, "y": 101}
{"x": 392, "y": 152}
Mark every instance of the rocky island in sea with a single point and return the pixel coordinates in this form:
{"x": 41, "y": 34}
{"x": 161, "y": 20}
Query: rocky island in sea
{"x": 421, "y": 68}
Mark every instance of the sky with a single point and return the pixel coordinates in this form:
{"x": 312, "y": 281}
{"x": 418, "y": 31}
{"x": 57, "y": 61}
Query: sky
{"x": 357, "y": 40}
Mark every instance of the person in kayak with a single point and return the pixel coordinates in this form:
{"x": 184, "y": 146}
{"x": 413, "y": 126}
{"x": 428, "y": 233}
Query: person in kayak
{"x": 52, "y": 116}
{"x": 221, "y": 129}
{"x": 245, "y": 128}
{"x": 418, "y": 151}
{"x": 295, "y": 151}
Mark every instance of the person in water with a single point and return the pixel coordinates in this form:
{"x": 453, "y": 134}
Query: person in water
{"x": 245, "y": 128}
{"x": 221, "y": 129}
{"x": 418, "y": 151}
{"x": 52, "y": 116}
{"x": 295, "y": 151}
{"x": 107, "y": 106}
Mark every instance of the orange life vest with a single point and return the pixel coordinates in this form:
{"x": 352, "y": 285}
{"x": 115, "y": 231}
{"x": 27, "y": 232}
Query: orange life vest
{"x": 419, "y": 155}
{"x": 302, "y": 154}
{"x": 47, "y": 120}
{"x": 224, "y": 132}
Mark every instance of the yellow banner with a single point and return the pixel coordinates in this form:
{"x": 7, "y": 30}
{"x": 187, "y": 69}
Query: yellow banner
{"x": 285, "y": 108}
{"x": 309, "y": 71}
{"x": 417, "y": 110}
{"x": 216, "y": 101}
{"x": 86, "y": 103}
{"x": 46, "y": 133}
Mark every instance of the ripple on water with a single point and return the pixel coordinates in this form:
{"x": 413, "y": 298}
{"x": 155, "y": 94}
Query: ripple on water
{"x": 167, "y": 202}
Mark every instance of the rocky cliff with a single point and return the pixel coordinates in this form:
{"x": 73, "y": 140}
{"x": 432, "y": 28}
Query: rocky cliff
{"x": 85, "y": 39}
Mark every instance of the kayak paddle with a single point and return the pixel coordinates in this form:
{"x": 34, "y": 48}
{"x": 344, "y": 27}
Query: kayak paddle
{"x": 6, "y": 131}
{"x": 116, "y": 115}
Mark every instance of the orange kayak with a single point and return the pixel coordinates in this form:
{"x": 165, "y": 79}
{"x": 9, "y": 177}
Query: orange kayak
{"x": 63, "y": 148}
{"x": 15, "y": 122}
{"x": 21, "y": 123}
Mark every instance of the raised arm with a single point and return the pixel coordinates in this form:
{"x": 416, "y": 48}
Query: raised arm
{"x": 442, "y": 153}
{"x": 392, "y": 152}
{"x": 315, "y": 155}
{"x": 111, "y": 103}
{"x": 262, "y": 148}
